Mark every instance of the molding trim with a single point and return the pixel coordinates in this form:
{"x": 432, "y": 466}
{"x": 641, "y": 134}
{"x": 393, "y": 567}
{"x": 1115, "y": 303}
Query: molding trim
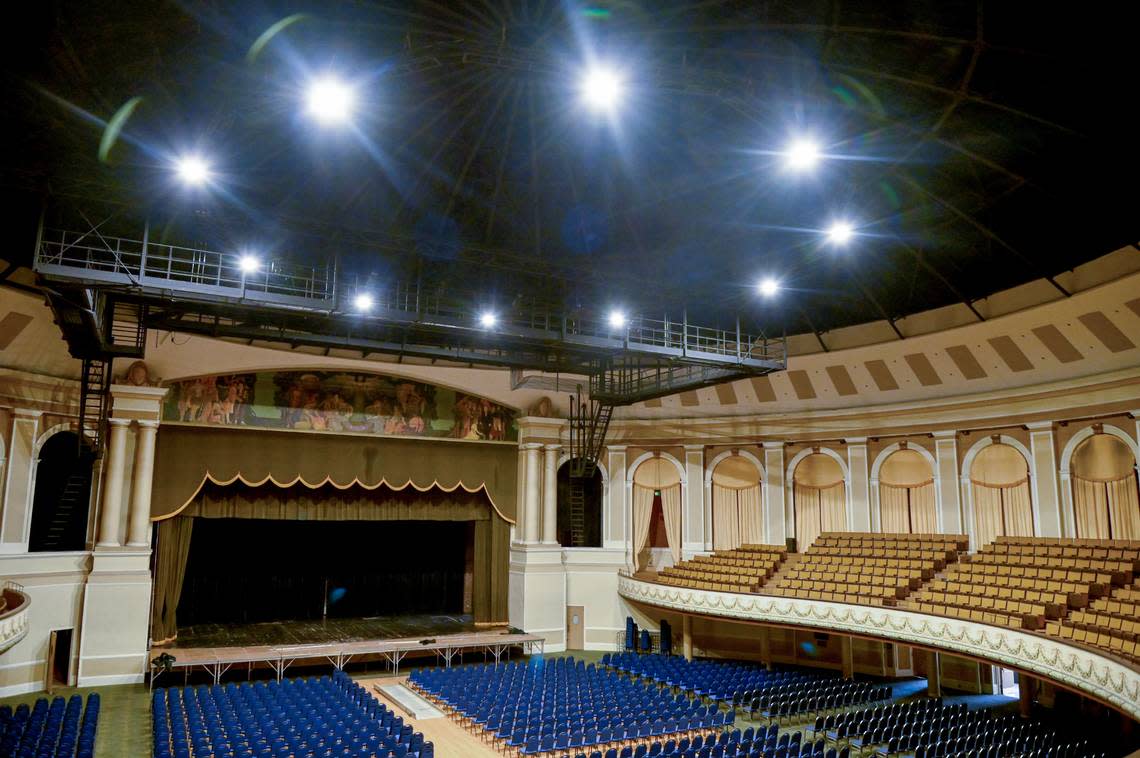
{"x": 1073, "y": 667}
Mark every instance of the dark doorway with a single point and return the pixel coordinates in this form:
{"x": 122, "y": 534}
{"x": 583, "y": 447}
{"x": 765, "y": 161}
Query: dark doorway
{"x": 60, "y": 644}
{"x": 62, "y": 495}
{"x": 591, "y": 533}
{"x": 256, "y": 570}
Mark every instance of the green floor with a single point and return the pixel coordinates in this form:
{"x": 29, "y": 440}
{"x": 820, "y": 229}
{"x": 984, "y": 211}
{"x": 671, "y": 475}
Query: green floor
{"x": 124, "y": 718}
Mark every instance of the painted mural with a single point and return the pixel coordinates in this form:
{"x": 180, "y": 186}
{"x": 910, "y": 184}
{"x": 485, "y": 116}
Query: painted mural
{"x": 329, "y": 401}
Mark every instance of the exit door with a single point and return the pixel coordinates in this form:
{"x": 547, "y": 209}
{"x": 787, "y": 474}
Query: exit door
{"x": 575, "y": 628}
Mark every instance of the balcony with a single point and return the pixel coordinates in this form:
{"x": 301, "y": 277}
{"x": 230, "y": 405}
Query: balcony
{"x": 14, "y": 604}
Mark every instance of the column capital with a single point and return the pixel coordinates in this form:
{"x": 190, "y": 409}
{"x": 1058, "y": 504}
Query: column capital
{"x": 616, "y": 448}
{"x": 552, "y": 446}
{"x": 27, "y": 413}
{"x": 119, "y": 422}
{"x": 530, "y": 445}
{"x": 773, "y": 444}
{"x": 147, "y": 424}
{"x": 694, "y": 448}
{"x": 855, "y": 440}
{"x": 1040, "y": 426}
{"x": 945, "y": 434}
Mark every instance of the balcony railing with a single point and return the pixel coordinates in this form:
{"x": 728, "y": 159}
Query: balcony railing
{"x": 14, "y": 605}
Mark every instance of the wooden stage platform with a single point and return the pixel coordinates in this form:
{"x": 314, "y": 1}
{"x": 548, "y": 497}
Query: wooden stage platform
{"x": 218, "y": 660}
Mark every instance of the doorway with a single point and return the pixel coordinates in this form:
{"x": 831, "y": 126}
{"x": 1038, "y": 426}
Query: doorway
{"x": 575, "y": 627}
{"x": 59, "y": 658}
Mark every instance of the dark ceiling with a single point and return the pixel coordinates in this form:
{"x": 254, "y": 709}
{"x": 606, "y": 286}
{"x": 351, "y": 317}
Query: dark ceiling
{"x": 975, "y": 145}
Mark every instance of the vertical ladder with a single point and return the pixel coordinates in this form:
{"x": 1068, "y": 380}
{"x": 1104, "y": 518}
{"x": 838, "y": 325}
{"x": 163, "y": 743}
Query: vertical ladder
{"x": 94, "y": 401}
{"x": 578, "y": 511}
{"x": 588, "y": 427}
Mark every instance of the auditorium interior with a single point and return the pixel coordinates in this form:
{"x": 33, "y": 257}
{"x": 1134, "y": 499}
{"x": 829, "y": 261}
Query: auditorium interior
{"x": 700, "y": 379}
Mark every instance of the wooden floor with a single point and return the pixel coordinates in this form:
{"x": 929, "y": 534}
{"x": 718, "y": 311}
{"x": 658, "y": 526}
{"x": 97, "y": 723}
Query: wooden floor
{"x": 450, "y": 739}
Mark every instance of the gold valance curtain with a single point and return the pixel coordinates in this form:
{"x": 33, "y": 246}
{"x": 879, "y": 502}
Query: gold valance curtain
{"x": 188, "y": 458}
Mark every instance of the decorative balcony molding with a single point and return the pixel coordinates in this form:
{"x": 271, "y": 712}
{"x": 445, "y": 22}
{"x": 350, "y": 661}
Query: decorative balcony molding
{"x": 14, "y": 616}
{"x": 1076, "y": 668}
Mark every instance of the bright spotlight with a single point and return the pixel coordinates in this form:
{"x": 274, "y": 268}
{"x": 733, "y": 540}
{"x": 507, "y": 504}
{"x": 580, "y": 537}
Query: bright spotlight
{"x": 363, "y": 302}
{"x": 192, "y": 169}
{"x": 802, "y": 155}
{"x": 617, "y": 319}
{"x": 330, "y": 101}
{"x": 840, "y": 232}
{"x": 249, "y": 264}
{"x": 768, "y": 286}
{"x": 601, "y": 88}
{"x": 487, "y": 320}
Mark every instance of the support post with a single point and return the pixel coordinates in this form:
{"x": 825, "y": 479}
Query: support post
{"x": 687, "y": 637}
{"x": 1025, "y": 691}
{"x": 934, "y": 674}
{"x": 848, "y": 657}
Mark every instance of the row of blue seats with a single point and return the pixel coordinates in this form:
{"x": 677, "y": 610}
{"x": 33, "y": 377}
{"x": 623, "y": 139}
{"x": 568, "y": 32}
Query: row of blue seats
{"x": 563, "y": 704}
{"x": 721, "y": 680}
{"x": 811, "y": 699}
{"x": 325, "y": 717}
{"x": 52, "y": 730}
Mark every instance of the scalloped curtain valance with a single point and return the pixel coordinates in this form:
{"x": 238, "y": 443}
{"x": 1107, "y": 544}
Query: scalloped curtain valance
{"x": 187, "y": 459}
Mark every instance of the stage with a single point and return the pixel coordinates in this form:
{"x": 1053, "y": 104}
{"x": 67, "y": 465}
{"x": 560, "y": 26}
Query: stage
{"x": 216, "y": 648}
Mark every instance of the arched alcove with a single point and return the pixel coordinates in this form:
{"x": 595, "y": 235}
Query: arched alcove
{"x": 656, "y": 501}
{"x": 907, "y": 499}
{"x": 999, "y": 478}
{"x": 1106, "y": 499}
{"x": 590, "y": 533}
{"x": 62, "y": 494}
{"x": 819, "y": 498}
{"x": 737, "y": 503}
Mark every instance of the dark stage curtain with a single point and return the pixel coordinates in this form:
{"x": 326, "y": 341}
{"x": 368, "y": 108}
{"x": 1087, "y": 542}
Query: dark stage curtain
{"x": 270, "y": 503}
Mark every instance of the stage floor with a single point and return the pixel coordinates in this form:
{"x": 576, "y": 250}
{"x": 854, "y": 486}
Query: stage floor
{"x": 329, "y": 630}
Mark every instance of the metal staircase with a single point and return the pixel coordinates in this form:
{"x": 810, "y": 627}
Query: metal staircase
{"x": 589, "y": 422}
{"x": 94, "y": 402}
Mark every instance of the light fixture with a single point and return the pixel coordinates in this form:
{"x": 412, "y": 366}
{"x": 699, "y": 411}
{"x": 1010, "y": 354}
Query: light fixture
{"x": 488, "y": 319}
{"x": 330, "y": 101}
{"x": 601, "y": 88}
{"x": 616, "y": 319}
{"x": 362, "y": 302}
{"x": 802, "y": 154}
{"x": 249, "y": 264}
{"x": 840, "y": 232}
{"x": 192, "y": 169}
{"x": 768, "y": 286}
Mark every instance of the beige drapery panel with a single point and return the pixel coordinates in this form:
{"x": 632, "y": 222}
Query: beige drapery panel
{"x": 671, "y": 509}
{"x": 750, "y": 501}
{"x": 1107, "y": 509}
{"x": 642, "y": 511}
{"x": 1001, "y": 510}
{"x": 187, "y": 459}
{"x": 907, "y": 509}
{"x": 737, "y": 516}
{"x": 492, "y": 533}
{"x": 818, "y": 509}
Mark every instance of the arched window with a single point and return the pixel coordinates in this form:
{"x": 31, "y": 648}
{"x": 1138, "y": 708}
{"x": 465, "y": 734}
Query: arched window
{"x": 656, "y": 511}
{"x": 737, "y": 507}
{"x": 1105, "y": 494}
{"x": 999, "y": 476}
{"x": 906, "y": 494}
{"x": 62, "y": 494}
{"x": 820, "y": 498}
{"x": 588, "y": 531}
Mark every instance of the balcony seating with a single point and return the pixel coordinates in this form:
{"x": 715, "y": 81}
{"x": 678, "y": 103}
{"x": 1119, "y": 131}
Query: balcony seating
{"x": 743, "y": 569}
{"x": 50, "y": 730}
{"x": 563, "y": 706}
{"x": 1027, "y": 582}
{"x": 1110, "y": 623}
{"x": 871, "y": 569}
{"x": 296, "y": 718}
{"x": 931, "y": 729}
{"x": 728, "y": 681}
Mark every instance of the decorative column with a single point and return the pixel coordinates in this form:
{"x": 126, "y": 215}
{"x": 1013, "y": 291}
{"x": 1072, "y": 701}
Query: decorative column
{"x": 1046, "y": 503}
{"x": 858, "y": 498}
{"x": 531, "y": 492}
{"x": 947, "y": 494}
{"x": 141, "y": 481}
{"x": 776, "y": 517}
{"x": 19, "y": 482}
{"x": 113, "y": 482}
{"x": 696, "y": 525}
{"x": 687, "y": 636}
{"x": 550, "y": 495}
{"x": 614, "y": 533}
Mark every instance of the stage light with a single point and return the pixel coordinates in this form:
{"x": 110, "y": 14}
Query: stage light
{"x": 363, "y": 302}
{"x": 249, "y": 264}
{"x": 192, "y": 169}
{"x": 601, "y": 88}
{"x": 768, "y": 286}
{"x": 617, "y": 319}
{"x": 802, "y": 155}
{"x": 488, "y": 319}
{"x": 330, "y": 101}
{"x": 840, "y": 232}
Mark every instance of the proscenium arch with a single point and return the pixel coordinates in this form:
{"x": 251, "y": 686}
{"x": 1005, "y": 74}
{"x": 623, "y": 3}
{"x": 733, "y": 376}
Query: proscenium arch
{"x": 967, "y": 490}
{"x": 790, "y": 484}
{"x": 880, "y": 459}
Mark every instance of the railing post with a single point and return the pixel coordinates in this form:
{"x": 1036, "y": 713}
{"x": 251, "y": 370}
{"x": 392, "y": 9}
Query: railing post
{"x": 146, "y": 242}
